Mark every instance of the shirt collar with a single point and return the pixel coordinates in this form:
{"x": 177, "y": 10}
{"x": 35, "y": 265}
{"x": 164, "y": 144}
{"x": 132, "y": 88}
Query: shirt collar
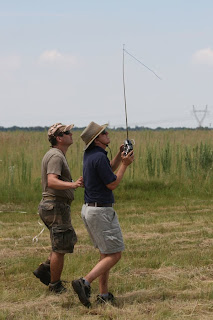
{"x": 97, "y": 148}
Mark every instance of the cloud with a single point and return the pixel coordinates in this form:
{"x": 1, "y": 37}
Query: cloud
{"x": 10, "y": 63}
{"x": 54, "y": 57}
{"x": 203, "y": 56}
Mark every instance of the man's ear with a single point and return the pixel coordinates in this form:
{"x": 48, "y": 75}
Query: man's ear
{"x": 58, "y": 139}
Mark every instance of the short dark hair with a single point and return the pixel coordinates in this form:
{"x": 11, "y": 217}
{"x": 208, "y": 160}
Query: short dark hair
{"x": 53, "y": 140}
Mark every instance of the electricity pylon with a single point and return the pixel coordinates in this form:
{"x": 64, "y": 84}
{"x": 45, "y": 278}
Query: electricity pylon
{"x": 202, "y": 117}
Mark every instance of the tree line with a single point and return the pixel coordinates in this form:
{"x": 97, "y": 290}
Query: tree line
{"x": 136, "y": 128}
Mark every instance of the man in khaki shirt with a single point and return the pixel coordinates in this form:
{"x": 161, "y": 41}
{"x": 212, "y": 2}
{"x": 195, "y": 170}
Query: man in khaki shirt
{"x": 54, "y": 208}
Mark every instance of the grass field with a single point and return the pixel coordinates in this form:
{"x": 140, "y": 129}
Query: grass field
{"x": 182, "y": 160}
{"x": 166, "y": 271}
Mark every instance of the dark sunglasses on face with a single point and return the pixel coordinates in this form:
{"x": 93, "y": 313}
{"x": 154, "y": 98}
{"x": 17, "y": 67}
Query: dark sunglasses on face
{"x": 65, "y": 132}
{"x": 104, "y": 132}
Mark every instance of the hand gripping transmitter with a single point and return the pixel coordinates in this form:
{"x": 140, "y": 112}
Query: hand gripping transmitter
{"x": 128, "y": 146}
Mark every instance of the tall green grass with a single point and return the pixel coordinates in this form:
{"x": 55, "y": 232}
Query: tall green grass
{"x": 181, "y": 161}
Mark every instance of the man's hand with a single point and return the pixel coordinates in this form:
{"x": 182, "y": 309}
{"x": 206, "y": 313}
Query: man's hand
{"x": 128, "y": 159}
{"x": 121, "y": 148}
{"x": 55, "y": 183}
{"x": 78, "y": 183}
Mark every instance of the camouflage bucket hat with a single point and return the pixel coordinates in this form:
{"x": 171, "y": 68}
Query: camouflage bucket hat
{"x": 59, "y": 128}
{"x": 91, "y": 132}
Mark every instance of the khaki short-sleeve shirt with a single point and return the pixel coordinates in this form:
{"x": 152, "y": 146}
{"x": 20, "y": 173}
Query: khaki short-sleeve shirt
{"x": 54, "y": 162}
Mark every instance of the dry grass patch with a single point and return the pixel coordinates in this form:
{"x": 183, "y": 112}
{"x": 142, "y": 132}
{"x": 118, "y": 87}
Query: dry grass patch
{"x": 166, "y": 271}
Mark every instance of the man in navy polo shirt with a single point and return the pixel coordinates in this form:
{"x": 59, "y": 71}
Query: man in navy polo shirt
{"x": 98, "y": 214}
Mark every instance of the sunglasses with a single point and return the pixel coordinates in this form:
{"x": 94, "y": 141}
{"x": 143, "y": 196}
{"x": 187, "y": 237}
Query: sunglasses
{"x": 104, "y": 132}
{"x": 65, "y": 132}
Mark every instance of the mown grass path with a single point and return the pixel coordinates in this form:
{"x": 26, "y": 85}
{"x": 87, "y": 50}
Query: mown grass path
{"x": 166, "y": 271}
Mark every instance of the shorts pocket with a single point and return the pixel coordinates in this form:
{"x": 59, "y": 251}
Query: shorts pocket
{"x": 63, "y": 239}
{"x": 47, "y": 213}
{"x": 47, "y": 206}
{"x": 113, "y": 240}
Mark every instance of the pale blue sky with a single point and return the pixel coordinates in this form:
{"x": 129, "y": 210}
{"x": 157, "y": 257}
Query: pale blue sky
{"x": 61, "y": 61}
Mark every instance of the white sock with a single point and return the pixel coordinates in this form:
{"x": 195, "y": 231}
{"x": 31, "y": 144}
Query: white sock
{"x": 86, "y": 282}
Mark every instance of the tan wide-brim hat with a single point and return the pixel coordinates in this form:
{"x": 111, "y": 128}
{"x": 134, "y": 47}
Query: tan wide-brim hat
{"x": 91, "y": 132}
{"x": 59, "y": 127}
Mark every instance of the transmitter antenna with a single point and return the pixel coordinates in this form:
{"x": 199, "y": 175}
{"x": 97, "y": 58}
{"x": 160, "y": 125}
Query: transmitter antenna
{"x": 127, "y": 133}
{"x": 128, "y": 146}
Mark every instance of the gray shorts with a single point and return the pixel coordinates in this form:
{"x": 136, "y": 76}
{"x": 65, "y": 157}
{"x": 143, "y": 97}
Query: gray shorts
{"x": 103, "y": 227}
{"x": 56, "y": 216}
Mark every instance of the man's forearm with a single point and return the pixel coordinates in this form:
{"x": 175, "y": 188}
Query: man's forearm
{"x": 116, "y": 161}
{"x": 61, "y": 185}
{"x": 55, "y": 183}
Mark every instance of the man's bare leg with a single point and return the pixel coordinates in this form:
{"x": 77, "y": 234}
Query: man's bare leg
{"x": 102, "y": 267}
{"x": 103, "y": 279}
{"x": 56, "y": 266}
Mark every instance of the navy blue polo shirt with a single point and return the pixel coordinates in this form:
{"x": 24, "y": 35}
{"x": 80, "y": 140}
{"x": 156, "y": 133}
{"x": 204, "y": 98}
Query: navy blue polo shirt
{"x": 97, "y": 173}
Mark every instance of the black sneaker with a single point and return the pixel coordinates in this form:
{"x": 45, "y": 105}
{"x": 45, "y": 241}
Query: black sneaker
{"x": 110, "y": 298}
{"x": 83, "y": 291}
{"x": 57, "y": 287}
{"x": 43, "y": 273}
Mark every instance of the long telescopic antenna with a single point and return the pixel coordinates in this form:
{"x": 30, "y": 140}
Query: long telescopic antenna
{"x": 142, "y": 64}
{"x": 124, "y": 50}
{"x": 125, "y": 95}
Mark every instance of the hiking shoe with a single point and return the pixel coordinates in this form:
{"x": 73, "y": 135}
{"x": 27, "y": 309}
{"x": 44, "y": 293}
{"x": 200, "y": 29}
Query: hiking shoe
{"x": 83, "y": 291}
{"x": 43, "y": 273}
{"x": 57, "y": 287}
{"x": 110, "y": 298}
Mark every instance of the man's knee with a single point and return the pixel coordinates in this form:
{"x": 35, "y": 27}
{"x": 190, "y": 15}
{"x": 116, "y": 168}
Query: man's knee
{"x": 117, "y": 256}
{"x": 58, "y": 253}
{"x": 57, "y": 256}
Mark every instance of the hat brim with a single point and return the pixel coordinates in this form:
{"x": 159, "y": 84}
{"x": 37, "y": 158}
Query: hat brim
{"x": 69, "y": 127}
{"x": 103, "y": 127}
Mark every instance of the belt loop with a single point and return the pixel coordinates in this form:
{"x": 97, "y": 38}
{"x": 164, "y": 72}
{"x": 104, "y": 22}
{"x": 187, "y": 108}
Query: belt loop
{"x": 95, "y": 204}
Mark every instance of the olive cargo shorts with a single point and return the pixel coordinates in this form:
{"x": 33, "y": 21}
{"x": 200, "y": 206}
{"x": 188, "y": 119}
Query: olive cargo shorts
{"x": 56, "y": 217}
